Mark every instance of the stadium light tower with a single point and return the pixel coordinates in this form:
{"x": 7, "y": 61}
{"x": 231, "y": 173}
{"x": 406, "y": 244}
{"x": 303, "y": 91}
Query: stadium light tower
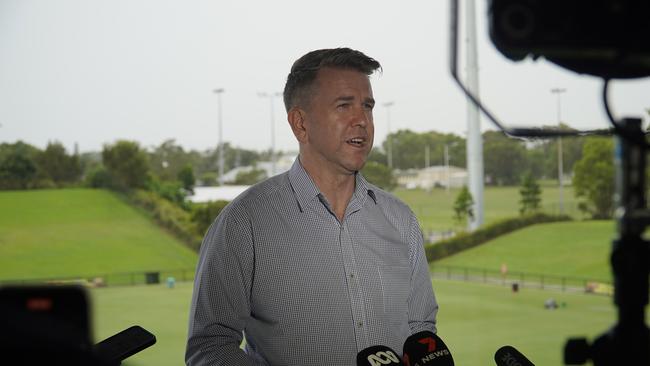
{"x": 271, "y": 96}
{"x": 389, "y": 141}
{"x": 474, "y": 138}
{"x": 560, "y": 168}
{"x": 220, "y": 91}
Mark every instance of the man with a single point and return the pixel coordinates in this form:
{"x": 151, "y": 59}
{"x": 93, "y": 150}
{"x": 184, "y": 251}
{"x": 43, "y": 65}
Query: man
{"x": 316, "y": 264}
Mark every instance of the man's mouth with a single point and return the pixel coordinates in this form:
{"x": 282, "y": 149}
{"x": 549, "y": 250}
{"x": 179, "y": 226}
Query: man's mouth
{"x": 356, "y": 141}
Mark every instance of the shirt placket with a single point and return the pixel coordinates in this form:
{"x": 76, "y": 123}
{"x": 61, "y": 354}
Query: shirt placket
{"x": 357, "y": 300}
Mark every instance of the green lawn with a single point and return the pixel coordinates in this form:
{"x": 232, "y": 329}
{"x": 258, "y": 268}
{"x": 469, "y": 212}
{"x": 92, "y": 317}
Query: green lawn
{"x": 434, "y": 209}
{"x": 160, "y": 310}
{"x": 81, "y": 232}
{"x": 474, "y": 320}
{"x": 573, "y": 249}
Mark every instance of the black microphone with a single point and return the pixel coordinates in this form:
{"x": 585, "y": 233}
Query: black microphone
{"x": 426, "y": 348}
{"x": 378, "y": 356}
{"x": 115, "y": 349}
{"x": 509, "y": 356}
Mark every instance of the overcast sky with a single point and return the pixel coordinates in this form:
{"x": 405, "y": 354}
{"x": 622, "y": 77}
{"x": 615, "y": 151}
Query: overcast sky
{"x": 91, "y": 72}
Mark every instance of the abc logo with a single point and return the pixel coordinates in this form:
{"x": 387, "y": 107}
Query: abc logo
{"x": 383, "y": 358}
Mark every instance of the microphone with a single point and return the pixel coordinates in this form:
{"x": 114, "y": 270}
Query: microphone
{"x": 115, "y": 349}
{"x": 426, "y": 348}
{"x": 509, "y": 356}
{"x": 378, "y": 356}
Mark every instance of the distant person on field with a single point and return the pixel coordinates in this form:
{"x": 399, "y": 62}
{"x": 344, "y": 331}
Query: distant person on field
{"x": 316, "y": 264}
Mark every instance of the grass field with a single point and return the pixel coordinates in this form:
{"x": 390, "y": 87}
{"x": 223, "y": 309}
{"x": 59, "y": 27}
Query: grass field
{"x": 434, "y": 209}
{"x": 573, "y": 249}
{"x": 80, "y": 232}
{"x": 474, "y": 320}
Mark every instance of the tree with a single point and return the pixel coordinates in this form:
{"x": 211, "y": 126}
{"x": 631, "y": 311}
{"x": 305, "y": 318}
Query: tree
{"x": 166, "y": 160}
{"x": 548, "y": 149}
{"x": 250, "y": 177}
{"x": 463, "y": 206}
{"x": 379, "y": 175}
{"x": 530, "y": 193}
{"x": 57, "y": 165}
{"x": 17, "y": 171}
{"x": 409, "y": 149}
{"x": 186, "y": 177}
{"x": 98, "y": 177}
{"x": 204, "y": 214}
{"x": 594, "y": 178}
{"x": 378, "y": 156}
{"x": 504, "y": 158}
{"x": 127, "y": 164}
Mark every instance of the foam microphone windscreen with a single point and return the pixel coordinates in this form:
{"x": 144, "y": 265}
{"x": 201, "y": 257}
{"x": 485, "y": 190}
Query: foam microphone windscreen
{"x": 509, "y": 356}
{"x": 426, "y": 348}
{"x": 378, "y": 356}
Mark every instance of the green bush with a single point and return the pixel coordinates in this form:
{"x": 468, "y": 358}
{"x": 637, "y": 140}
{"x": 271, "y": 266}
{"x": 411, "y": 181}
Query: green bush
{"x": 98, "y": 177}
{"x": 169, "y": 190}
{"x": 466, "y": 240}
{"x": 169, "y": 215}
{"x": 204, "y": 214}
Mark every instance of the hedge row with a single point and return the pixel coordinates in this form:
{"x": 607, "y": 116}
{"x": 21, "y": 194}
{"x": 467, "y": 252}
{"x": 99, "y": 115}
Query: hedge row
{"x": 465, "y": 240}
{"x": 168, "y": 215}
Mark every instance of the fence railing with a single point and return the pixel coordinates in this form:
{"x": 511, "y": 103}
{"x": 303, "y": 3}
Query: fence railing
{"x": 524, "y": 279}
{"x": 469, "y": 274}
{"x": 113, "y": 279}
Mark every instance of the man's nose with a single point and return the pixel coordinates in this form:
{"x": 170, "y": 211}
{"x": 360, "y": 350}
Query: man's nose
{"x": 362, "y": 117}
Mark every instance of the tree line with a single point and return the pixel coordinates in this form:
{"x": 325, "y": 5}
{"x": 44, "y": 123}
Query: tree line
{"x": 121, "y": 165}
{"x": 505, "y": 159}
{"x": 172, "y": 171}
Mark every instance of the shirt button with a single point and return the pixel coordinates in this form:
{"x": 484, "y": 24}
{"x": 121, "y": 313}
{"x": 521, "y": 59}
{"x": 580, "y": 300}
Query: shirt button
{"x": 360, "y": 324}
{"x": 351, "y": 275}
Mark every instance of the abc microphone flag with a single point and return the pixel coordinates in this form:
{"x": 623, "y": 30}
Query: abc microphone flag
{"x": 426, "y": 349}
{"x": 378, "y": 356}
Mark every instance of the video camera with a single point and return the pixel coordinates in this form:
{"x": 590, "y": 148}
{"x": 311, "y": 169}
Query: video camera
{"x": 607, "y": 39}
{"x": 604, "y": 38}
{"x": 50, "y": 325}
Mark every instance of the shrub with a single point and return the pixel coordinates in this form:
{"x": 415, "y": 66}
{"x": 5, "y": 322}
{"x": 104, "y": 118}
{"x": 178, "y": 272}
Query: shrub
{"x": 466, "y": 240}
{"x": 167, "y": 214}
{"x": 204, "y": 214}
{"x": 98, "y": 177}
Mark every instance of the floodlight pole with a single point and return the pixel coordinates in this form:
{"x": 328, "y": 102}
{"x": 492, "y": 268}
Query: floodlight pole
{"x": 389, "y": 141}
{"x": 220, "y": 91}
{"x": 474, "y": 138}
{"x": 560, "y": 167}
{"x": 271, "y": 96}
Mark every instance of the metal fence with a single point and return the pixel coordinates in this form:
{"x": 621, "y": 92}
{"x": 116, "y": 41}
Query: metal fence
{"x": 519, "y": 280}
{"x": 113, "y": 279}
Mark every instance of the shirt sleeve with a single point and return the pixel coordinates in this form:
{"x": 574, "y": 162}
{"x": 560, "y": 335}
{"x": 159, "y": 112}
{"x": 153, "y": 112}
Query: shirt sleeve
{"x": 221, "y": 298}
{"x": 422, "y": 303}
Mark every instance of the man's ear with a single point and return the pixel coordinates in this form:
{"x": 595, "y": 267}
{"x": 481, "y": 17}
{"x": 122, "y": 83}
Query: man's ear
{"x": 296, "y": 118}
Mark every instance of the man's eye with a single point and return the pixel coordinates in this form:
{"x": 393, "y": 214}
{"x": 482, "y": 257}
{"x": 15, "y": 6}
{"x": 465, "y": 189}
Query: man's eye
{"x": 343, "y": 105}
{"x": 369, "y": 106}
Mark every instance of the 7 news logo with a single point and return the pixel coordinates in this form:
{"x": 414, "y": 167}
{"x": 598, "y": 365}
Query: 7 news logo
{"x": 432, "y": 354}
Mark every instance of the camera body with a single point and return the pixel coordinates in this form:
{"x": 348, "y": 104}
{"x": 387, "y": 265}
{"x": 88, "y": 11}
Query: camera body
{"x": 605, "y": 38}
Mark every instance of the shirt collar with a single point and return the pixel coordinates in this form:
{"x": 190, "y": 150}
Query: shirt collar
{"x": 307, "y": 192}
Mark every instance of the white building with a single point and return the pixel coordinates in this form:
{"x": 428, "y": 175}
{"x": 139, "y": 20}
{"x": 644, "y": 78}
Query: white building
{"x": 282, "y": 164}
{"x": 218, "y": 193}
{"x": 434, "y": 176}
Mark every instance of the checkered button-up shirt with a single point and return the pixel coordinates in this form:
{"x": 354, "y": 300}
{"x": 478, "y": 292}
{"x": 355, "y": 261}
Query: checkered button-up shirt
{"x": 279, "y": 268}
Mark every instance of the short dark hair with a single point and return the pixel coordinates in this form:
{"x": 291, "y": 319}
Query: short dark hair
{"x": 305, "y": 69}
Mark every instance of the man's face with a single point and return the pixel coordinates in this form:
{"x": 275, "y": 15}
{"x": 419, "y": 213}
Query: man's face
{"x": 338, "y": 120}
